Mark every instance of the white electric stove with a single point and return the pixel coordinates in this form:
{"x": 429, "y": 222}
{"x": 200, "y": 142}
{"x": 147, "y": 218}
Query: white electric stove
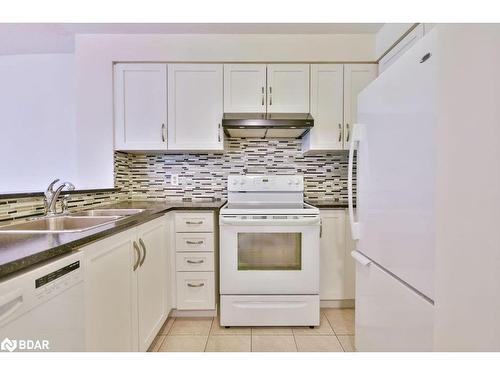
{"x": 269, "y": 253}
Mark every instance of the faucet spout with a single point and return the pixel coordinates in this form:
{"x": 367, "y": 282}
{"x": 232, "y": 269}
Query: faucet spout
{"x": 52, "y": 196}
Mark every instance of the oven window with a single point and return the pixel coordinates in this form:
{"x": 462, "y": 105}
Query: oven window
{"x": 269, "y": 251}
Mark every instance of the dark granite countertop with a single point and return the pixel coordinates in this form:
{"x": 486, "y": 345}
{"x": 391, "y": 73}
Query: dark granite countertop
{"x": 327, "y": 203}
{"x": 22, "y": 250}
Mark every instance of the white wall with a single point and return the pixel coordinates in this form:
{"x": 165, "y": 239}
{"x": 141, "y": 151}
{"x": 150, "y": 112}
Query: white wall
{"x": 37, "y": 121}
{"x": 388, "y": 35}
{"x": 467, "y": 278}
{"x": 95, "y": 55}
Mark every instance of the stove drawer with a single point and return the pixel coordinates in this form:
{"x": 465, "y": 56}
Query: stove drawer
{"x": 194, "y": 262}
{"x": 195, "y": 291}
{"x": 194, "y": 242}
{"x": 194, "y": 222}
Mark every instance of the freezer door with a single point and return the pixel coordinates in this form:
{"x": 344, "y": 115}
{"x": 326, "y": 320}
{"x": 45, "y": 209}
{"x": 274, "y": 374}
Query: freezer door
{"x": 390, "y": 316}
{"x": 396, "y": 166}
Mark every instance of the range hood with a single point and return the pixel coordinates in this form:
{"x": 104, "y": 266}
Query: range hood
{"x": 267, "y": 125}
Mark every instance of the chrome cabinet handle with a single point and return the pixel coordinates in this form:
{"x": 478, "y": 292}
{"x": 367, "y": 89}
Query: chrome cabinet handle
{"x": 320, "y": 228}
{"x": 196, "y": 285}
{"x": 340, "y": 132}
{"x": 138, "y": 253}
{"x": 141, "y": 242}
{"x": 270, "y": 95}
{"x": 218, "y": 133}
{"x": 194, "y": 222}
{"x": 195, "y": 261}
{"x": 348, "y": 133}
{"x": 194, "y": 242}
{"x": 263, "y": 92}
{"x": 163, "y": 132}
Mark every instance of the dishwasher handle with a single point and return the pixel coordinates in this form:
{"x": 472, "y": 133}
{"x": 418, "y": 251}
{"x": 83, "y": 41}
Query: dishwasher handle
{"x": 9, "y": 303}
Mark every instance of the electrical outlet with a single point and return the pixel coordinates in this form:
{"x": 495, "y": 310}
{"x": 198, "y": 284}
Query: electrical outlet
{"x": 174, "y": 179}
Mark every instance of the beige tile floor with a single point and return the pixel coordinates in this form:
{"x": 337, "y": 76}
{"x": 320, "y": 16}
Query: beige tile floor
{"x": 335, "y": 334}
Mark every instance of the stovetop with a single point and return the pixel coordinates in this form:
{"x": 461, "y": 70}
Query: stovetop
{"x": 239, "y": 208}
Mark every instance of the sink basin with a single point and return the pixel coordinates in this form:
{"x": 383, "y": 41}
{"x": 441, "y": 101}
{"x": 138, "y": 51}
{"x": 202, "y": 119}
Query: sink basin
{"x": 109, "y": 212}
{"x": 59, "y": 224}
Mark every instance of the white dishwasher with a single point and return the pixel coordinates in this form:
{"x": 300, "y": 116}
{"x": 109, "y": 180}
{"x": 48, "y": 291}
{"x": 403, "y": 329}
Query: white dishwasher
{"x": 43, "y": 309}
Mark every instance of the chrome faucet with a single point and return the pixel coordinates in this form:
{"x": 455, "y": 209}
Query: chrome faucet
{"x": 52, "y": 195}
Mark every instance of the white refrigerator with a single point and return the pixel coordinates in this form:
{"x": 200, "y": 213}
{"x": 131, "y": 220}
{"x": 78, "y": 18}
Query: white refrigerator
{"x": 393, "y": 219}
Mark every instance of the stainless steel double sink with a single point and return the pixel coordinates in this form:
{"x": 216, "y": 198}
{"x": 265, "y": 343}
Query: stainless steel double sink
{"x": 71, "y": 222}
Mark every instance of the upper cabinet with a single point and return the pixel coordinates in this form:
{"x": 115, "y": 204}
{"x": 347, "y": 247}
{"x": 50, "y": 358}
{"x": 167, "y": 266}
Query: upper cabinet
{"x": 334, "y": 92}
{"x": 288, "y": 88}
{"x": 140, "y": 106}
{"x": 327, "y": 101}
{"x": 272, "y": 88}
{"x": 356, "y": 78}
{"x": 245, "y": 88}
{"x": 156, "y": 111}
{"x": 195, "y": 107}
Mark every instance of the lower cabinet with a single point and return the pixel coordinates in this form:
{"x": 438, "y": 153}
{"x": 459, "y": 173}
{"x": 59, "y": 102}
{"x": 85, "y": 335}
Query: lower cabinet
{"x": 337, "y": 272}
{"x": 126, "y": 288}
{"x": 195, "y": 260}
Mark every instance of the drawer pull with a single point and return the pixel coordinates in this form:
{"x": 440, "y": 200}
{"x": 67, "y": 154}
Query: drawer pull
{"x": 195, "y": 261}
{"x": 196, "y": 285}
{"x": 194, "y": 222}
{"x": 194, "y": 242}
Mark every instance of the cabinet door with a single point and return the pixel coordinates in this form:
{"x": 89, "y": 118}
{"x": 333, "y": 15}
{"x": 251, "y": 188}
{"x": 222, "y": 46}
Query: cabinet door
{"x": 327, "y": 100}
{"x": 288, "y": 88}
{"x": 356, "y": 78}
{"x": 152, "y": 281}
{"x": 399, "y": 49}
{"x": 110, "y": 286}
{"x": 332, "y": 255}
{"x": 244, "y": 88}
{"x": 195, "y": 107}
{"x": 140, "y": 106}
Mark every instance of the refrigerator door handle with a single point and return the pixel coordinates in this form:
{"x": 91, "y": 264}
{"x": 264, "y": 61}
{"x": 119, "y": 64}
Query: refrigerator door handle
{"x": 360, "y": 258}
{"x": 356, "y": 139}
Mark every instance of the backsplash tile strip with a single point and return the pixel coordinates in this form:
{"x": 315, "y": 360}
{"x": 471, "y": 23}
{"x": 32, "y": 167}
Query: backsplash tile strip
{"x": 204, "y": 176}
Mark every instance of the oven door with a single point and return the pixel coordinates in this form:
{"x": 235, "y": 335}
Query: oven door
{"x": 269, "y": 255}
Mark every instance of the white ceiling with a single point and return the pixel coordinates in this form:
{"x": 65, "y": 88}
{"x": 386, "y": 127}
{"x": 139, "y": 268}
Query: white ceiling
{"x": 19, "y": 38}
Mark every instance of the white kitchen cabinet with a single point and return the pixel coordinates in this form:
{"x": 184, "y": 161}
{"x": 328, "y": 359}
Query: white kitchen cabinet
{"x": 388, "y": 312}
{"x": 245, "y": 88}
{"x": 327, "y": 108}
{"x": 126, "y": 288}
{"x": 110, "y": 290}
{"x": 288, "y": 88}
{"x": 336, "y": 270}
{"x": 356, "y": 78}
{"x": 140, "y": 106}
{"x": 152, "y": 281}
{"x": 195, "y": 107}
{"x": 195, "y": 260}
{"x": 400, "y": 48}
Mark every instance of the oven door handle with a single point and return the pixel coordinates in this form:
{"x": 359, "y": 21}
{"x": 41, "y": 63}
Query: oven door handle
{"x": 270, "y": 222}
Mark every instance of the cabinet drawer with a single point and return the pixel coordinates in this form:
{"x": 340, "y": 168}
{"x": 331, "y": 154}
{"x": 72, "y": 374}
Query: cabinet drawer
{"x": 195, "y": 291}
{"x": 194, "y": 261}
{"x": 194, "y": 222}
{"x": 194, "y": 242}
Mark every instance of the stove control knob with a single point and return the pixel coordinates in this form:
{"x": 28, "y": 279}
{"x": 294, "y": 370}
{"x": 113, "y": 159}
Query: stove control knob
{"x": 289, "y": 182}
{"x": 235, "y": 182}
{"x": 297, "y": 182}
{"x": 242, "y": 182}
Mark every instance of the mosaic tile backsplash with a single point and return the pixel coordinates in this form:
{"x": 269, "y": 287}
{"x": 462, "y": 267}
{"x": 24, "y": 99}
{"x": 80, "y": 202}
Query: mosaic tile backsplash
{"x": 204, "y": 176}
{"x": 147, "y": 176}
